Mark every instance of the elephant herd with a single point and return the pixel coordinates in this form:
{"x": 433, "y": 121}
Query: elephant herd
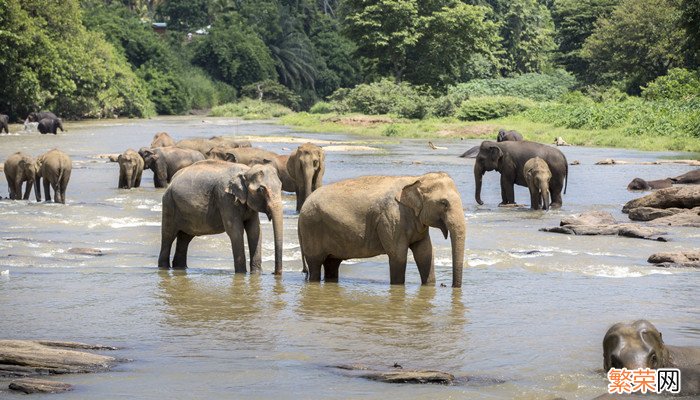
{"x": 47, "y": 122}
{"x": 53, "y": 166}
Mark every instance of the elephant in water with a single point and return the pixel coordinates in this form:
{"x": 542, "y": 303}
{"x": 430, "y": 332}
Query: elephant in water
{"x": 641, "y": 184}
{"x": 130, "y": 169}
{"x": 4, "y": 123}
{"x": 689, "y": 178}
{"x": 509, "y": 159}
{"x": 166, "y": 161}
{"x": 537, "y": 176}
{"x": 20, "y": 168}
{"x": 504, "y": 136}
{"x": 306, "y": 166}
{"x": 215, "y": 196}
{"x": 162, "y": 139}
{"x": 639, "y": 345}
{"x": 50, "y": 125}
{"x": 203, "y": 145}
{"x": 55, "y": 168}
{"x": 38, "y": 116}
{"x": 373, "y": 215}
{"x": 252, "y": 155}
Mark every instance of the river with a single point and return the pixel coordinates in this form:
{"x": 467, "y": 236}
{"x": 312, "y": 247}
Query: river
{"x": 528, "y": 322}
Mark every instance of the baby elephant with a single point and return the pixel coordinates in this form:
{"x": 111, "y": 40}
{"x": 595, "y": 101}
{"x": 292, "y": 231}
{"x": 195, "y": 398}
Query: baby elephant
{"x": 506, "y": 136}
{"x": 641, "y": 184}
{"x": 20, "y": 168}
{"x": 55, "y": 167}
{"x": 130, "y": 169}
{"x": 4, "y": 123}
{"x": 537, "y": 176}
{"x": 639, "y": 345}
{"x": 373, "y": 215}
{"x": 50, "y": 125}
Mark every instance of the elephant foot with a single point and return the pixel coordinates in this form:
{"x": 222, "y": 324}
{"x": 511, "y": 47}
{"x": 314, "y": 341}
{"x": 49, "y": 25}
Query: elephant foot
{"x": 555, "y": 205}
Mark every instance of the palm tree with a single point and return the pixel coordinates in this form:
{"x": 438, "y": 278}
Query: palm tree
{"x": 293, "y": 56}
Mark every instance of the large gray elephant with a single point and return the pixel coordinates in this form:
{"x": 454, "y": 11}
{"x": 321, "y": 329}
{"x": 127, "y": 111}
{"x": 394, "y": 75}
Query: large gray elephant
{"x": 537, "y": 176}
{"x": 215, "y": 196}
{"x": 166, "y": 161}
{"x": 373, "y": 215}
{"x": 204, "y": 145}
{"x": 130, "y": 169}
{"x": 55, "y": 168}
{"x": 50, "y": 125}
{"x": 306, "y": 166}
{"x": 252, "y": 155}
{"x": 38, "y": 116}
{"x": 509, "y": 159}
{"x": 20, "y": 168}
{"x": 4, "y": 123}
{"x": 505, "y": 136}
{"x": 640, "y": 345}
{"x": 162, "y": 139}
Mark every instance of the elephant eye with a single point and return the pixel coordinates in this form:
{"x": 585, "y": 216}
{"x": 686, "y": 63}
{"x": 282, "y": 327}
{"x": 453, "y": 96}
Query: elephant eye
{"x": 445, "y": 203}
{"x": 652, "y": 359}
{"x": 261, "y": 189}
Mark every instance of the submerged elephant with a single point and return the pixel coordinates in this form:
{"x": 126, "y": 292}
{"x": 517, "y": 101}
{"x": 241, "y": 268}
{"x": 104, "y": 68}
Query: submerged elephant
{"x": 373, "y": 215}
{"x": 509, "y": 159}
{"x": 130, "y": 169}
{"x": 55, "y": 168}
{"x": 166, "y": 161}
{"x": 215, "y": 196}
{"x": 20, "y": 168}
{"x": 4, "y": 123}
{"x": 162, "y": 139}
{"x": 505, "y": 136}
{"x": 689, "y": 178}
{"x": 641, "y": 184}
{"x": 38, "y": 116}
{"x": 50, "y": 125}
{"x": 306, "y": 166}
{"x": 537, "y": 176}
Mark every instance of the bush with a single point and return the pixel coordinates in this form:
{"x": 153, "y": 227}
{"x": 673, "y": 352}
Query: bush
{"x": 226, "y": 92}
{"x": 166, "y": 90}
{"x": 391, "y": 130}
{"x": 540, "y": 87}
{"x": 321, "y": 108}
{"x": 484, "y": 108}
{"x": 382, "y": 97}
{"x": 201, "y": 90}
{"x": 679, "y": 84}
{"x": 250, "y": 109}
{"x": 443, "y": 106}
{"x": 269, "y": 90}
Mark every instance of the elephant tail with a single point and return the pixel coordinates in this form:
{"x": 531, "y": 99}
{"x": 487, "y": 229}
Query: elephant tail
{"x": 305, "y": 269}
{"x": 566, "y": 177}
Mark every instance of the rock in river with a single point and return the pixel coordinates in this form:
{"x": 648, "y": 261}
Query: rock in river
{"x": 677, "y": 259}
{"x": 677, "y": 196}
{"x": 32, "y": 385}
{"x": 603, "y": 223}
{"x": 33, "y": 357}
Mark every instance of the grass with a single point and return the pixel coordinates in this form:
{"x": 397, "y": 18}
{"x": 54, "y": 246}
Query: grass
{"x": 452, "y": 128}
{"x": 250, "y": 109}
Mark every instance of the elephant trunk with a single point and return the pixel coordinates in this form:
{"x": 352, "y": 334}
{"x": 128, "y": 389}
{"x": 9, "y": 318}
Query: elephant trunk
{"x": 457, "y": 227}
{"x": 545, "y": 196}
{"x": 128, "y": 175}
{"x": 276, "y": 213}
{"x": 478, "y": 176}
{"x": 308, "y": 182}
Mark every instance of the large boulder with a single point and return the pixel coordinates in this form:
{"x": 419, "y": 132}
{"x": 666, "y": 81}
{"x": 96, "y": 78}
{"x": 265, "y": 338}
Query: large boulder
{"x": 677, "y": 196}
{"x": 33, "y": 357}
{"x": 688, "y": 218}
{"x": 651, "y": 213}
{"x": 676, "y": 259}
{"x": 33, "y": 385}
{"x": 603, "y": 223}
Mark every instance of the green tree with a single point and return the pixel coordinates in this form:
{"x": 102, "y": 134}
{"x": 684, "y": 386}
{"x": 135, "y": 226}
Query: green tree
{"x": 575, "y": 22}
{"x": 690, "y": 21}
{"x": 528, "y": 37}
{"x": 184, "y": 15}
{"x": 639, "y": 41}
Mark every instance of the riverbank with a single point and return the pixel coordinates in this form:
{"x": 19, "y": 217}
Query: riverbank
{"x": 450, "y": 128}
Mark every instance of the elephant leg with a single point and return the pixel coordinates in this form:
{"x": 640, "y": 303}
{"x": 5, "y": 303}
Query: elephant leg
{"x": 556, "y": 187}
{"x": 183, "y": 243}
{"x": 300, "y": 200}
{"x": 137, "y": 180}
{"x": 18, "y": 188}
{"x": 423, "y": 255}
{"x": 235, "y": 229}
{"x": 168, "y": 233}
{"x": 397, "y": 268}
{"x": 252, "y": 231}
{"x": 56, "y": 192}
{"x": 314, "y": 268}
{"x": 122, "y": 180}
{"x": 47, "y": 190}
{"x": 534, "y": 198}
{"x": 28, "y": 189}
{"x": 507, "y": 191}
{"x": 330, "y": 269}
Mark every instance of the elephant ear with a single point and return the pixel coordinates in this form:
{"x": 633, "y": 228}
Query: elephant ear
{"x": 495, "y": 153}
{"x": 238, "y": 188}
{"x": 411, "y": 197}
{"x": 230, "y": 157}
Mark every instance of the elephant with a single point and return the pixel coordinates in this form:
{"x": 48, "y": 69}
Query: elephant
{"x": 537, "y": 176}
{"x": 130, "y": 169}
{"x": 306, "y": 166}
{"x": 252, "y": 155}
{"x": 504, "y": 136}
{"x": 203, "y": 145}
{"x": 55, "y": 168}
{"x": 641, "y": 184}
{"x": 50, "y": 125}
{"x": 4, "y": 123}
{"x": 692, "y": 177}
{"x": 509, "y": 158}
{"x": 166, "y": 161}
{"x": 20, "y": 168}
{"x": 38, "y": 116}
{"x": 372, "y": 215}
{"x": 214, "y": 196}
{"x": 162, "y": 139}
{"x": 640, "y": 345}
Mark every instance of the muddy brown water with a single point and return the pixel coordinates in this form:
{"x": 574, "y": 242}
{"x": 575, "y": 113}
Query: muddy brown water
{"x": 527, "y": 324}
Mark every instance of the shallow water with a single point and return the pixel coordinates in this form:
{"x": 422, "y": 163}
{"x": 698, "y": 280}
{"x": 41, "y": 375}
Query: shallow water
{"x": 527, "y": 324}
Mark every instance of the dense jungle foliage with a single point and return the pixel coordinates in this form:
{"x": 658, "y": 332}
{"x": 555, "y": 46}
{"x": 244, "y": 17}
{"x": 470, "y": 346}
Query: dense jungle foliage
{"x": 573, "y": 63}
